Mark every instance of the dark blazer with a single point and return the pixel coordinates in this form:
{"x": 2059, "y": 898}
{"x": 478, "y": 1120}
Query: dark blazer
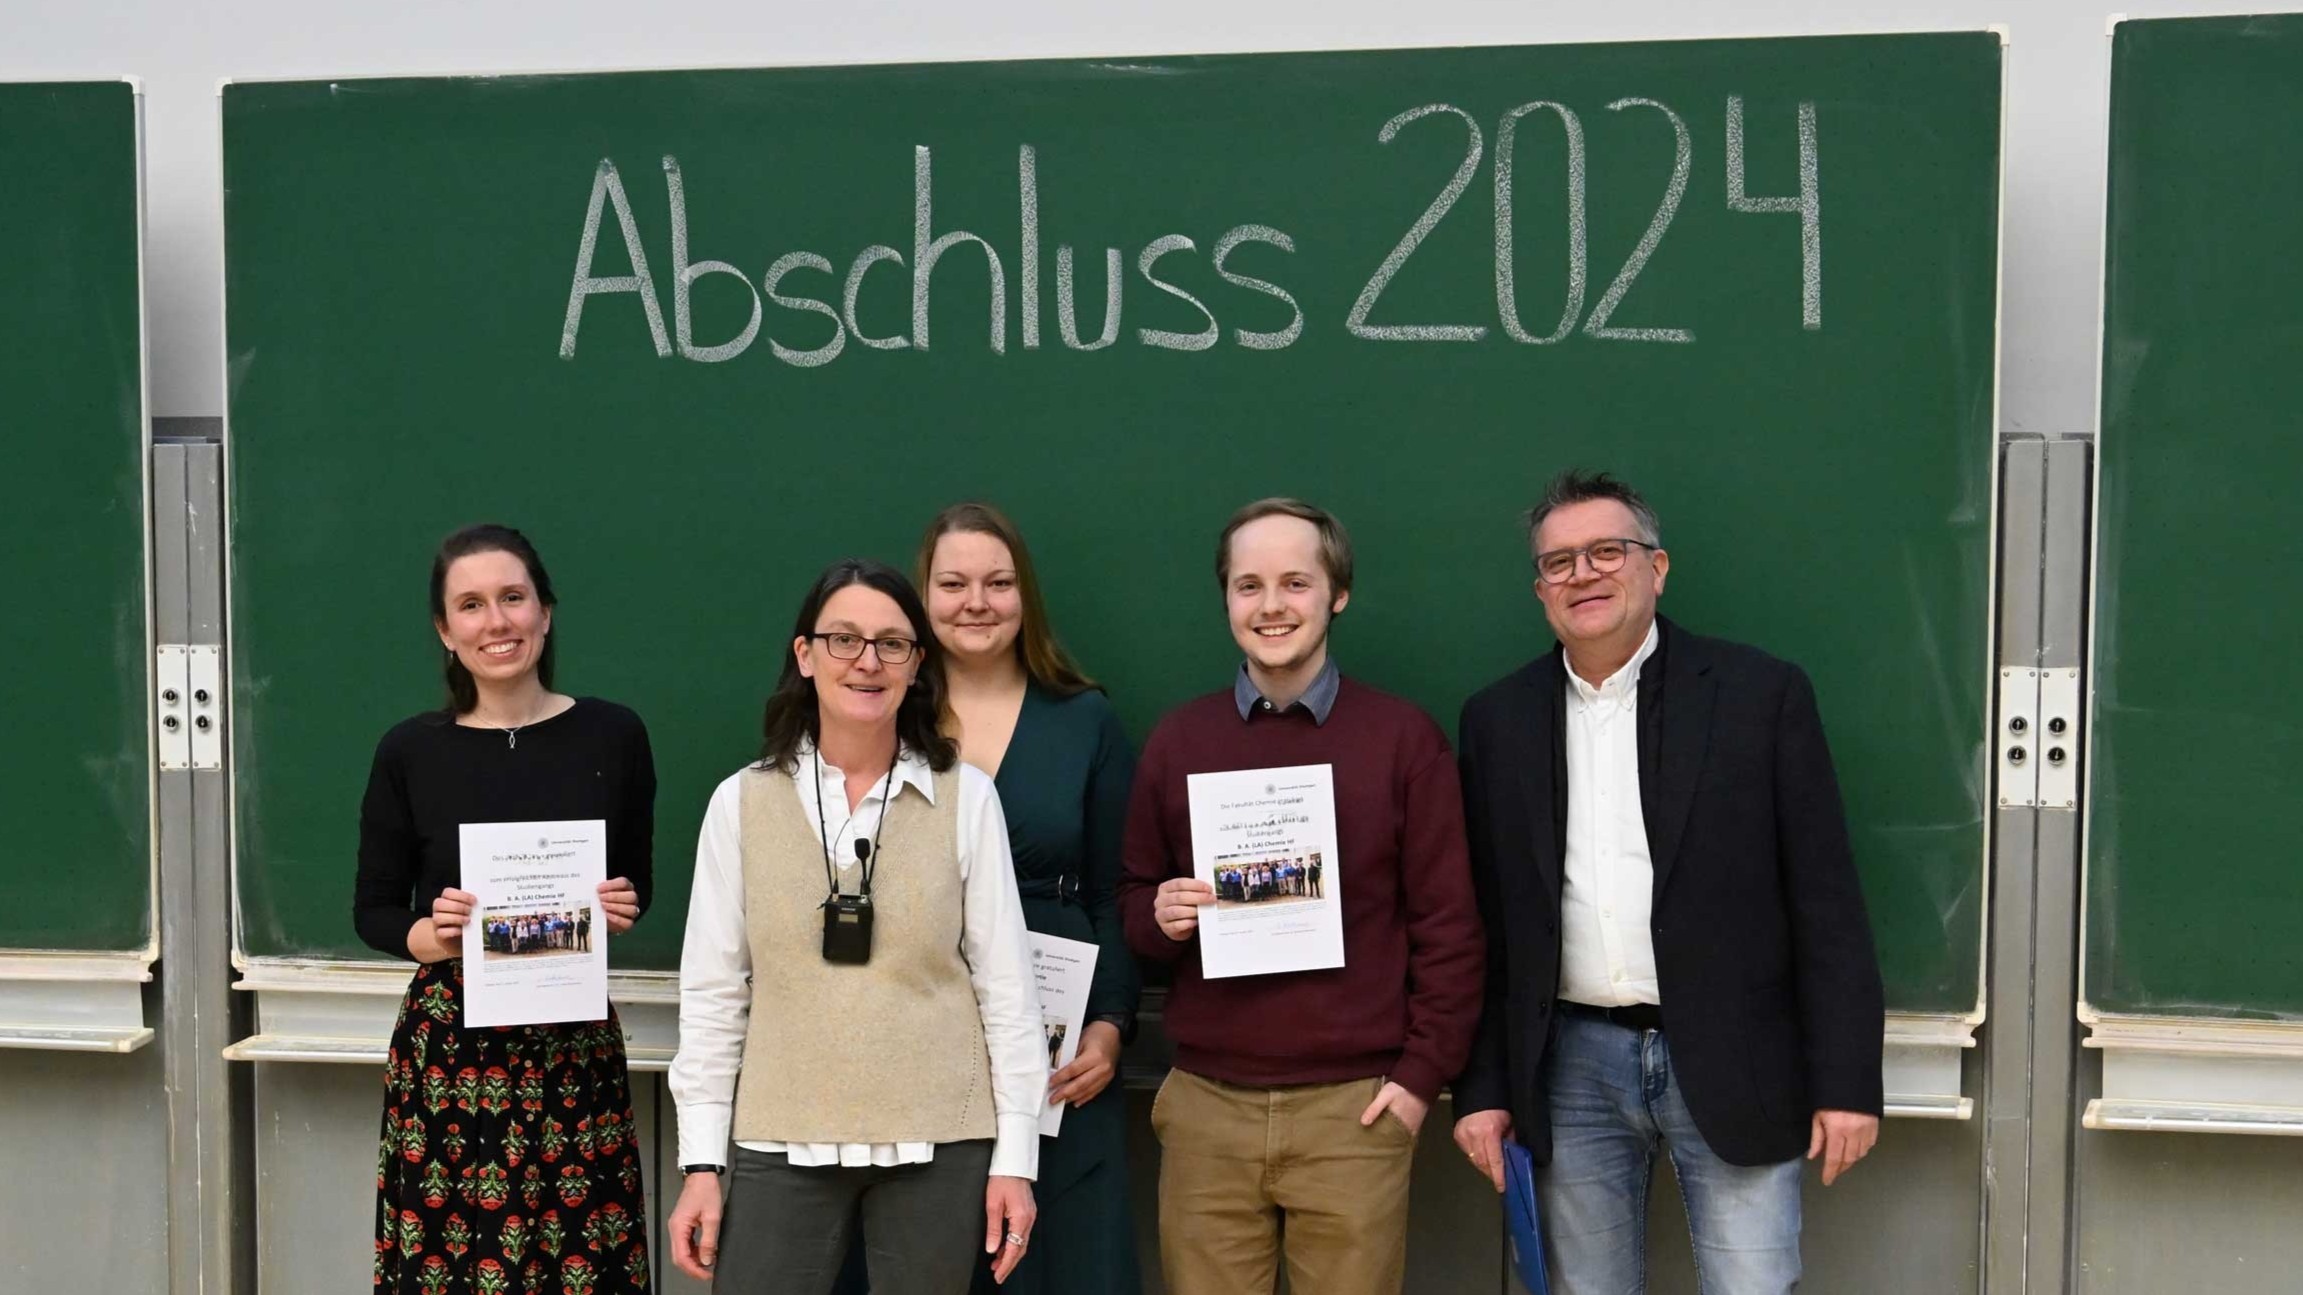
{"x": 1763, "y": 954}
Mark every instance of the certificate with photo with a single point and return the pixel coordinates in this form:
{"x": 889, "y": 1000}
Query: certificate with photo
{"x": 536, "y": 946}
{"x": 1066, "y": 971}
{"x": 1265, "y": 840}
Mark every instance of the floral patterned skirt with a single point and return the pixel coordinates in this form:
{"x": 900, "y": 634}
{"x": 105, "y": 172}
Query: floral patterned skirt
{"x": 509, "y": 1162}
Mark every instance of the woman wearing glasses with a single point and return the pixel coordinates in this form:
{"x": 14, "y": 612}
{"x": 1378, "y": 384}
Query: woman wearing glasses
{"x": 857, "y": 1008}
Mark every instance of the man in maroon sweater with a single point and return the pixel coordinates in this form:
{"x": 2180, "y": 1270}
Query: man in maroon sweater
{"x": 1296, "y": 1097}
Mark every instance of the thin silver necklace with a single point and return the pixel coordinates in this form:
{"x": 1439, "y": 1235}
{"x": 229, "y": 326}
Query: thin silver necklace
{"x": 511, "y": 732}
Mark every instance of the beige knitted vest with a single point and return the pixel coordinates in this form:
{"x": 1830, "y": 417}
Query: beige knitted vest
{"x": 890, "y": 1051}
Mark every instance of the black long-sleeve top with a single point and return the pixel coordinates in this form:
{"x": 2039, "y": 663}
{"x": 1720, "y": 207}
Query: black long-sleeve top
{"x": 431, "y": 775}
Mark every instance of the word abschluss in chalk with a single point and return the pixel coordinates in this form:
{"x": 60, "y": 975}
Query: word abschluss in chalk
{"x": 929, "y": 248}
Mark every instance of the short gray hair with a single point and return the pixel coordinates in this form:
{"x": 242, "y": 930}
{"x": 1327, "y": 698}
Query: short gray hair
{"x": 1575, "y": 486}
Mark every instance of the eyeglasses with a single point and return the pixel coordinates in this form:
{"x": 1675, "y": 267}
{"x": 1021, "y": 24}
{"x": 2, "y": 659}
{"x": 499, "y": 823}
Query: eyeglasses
{"x": 1558, "y": 566}
{"x": 850, "y": 647}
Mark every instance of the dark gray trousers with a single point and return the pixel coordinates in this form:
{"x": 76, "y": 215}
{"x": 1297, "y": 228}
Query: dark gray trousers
{"x": 785, "y": 1230}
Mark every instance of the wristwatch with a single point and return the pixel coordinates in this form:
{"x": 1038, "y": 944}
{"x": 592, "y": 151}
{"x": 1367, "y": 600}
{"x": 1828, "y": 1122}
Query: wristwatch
{"x": 685, "y": 1170}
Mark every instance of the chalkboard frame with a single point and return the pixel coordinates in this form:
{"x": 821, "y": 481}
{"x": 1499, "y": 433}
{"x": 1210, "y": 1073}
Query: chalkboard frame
{"x": 1983, "y": 664}
{"x": 146, "y": 946}
{"x": 2273, "y": 1029}
{"x": 82, "y": 996}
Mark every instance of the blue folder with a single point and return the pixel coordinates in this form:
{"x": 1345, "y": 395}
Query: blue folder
{"x": 1522, "y": 1224}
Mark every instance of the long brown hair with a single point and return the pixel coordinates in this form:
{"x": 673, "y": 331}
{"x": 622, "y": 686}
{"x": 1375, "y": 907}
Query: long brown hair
{"x": 1044, "y": 659}
{"x": 488, "y": 537}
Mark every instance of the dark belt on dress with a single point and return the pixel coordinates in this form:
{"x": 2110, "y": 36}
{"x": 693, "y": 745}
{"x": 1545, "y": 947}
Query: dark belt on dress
{"x": 1063, "y": 889}
{"x": 1637, "y": 1016}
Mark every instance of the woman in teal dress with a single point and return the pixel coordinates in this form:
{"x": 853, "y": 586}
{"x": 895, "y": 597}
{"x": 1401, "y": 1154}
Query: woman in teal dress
{"x": 1024, "y": 713}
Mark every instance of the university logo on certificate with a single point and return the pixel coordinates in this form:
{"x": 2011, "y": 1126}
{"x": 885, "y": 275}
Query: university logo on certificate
{"x": 536, "y": 947}
{"x": 1265, "y": 840}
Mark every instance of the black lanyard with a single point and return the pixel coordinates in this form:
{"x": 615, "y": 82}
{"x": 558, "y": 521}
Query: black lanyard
{"x": 823, "y": 830}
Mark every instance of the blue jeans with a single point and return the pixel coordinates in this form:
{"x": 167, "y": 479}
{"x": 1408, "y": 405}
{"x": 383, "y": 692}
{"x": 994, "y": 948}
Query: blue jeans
{"x": 1613, "y": 1101}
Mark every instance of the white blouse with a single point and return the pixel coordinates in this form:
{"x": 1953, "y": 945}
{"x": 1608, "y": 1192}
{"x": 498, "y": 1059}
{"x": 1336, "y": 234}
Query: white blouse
{"x": 716, "y": 965}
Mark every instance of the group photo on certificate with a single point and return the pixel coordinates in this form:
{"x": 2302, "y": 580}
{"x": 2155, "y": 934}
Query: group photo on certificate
{"x": 537, "y": 934}
{"x": 1260, "y": 878}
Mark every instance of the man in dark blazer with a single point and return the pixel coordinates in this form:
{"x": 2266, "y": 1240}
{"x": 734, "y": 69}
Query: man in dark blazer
{"x": 1678, "y": 952}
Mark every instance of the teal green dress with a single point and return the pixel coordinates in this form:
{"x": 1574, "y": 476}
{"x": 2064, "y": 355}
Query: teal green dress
{"x": 1063, "y": 786}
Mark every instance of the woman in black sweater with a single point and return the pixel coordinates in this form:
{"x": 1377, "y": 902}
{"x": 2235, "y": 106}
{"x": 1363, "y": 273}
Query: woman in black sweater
{"x": 509, "y": 1157}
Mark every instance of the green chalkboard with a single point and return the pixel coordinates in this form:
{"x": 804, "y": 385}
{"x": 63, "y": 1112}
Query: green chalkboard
{"x": 2193, "y": 898}
{"x": 402, "y": 254}
{"x": 75, "y": 775}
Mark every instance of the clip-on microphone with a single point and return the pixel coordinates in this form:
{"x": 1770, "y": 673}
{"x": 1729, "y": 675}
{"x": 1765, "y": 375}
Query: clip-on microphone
{"x": 848, "y": 918}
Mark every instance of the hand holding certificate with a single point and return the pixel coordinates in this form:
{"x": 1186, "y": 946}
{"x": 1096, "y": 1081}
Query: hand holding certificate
{"x": 1066, "y": 970}
{"x": 535, "y": 948}
{"x": 1264, "y": 839}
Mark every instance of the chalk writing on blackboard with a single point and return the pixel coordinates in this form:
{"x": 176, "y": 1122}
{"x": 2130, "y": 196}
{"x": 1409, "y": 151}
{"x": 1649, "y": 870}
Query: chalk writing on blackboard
{"x": 793, "y": 277}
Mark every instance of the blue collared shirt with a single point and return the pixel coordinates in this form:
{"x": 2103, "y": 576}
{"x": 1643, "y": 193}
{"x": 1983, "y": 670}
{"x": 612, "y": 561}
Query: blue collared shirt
{"x": 1319, "y": 699}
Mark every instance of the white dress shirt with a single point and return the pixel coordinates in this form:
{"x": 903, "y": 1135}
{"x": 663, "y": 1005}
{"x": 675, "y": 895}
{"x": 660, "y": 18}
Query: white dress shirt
{"x": 716, "y": 966}
{"x": 1606, "y": 953}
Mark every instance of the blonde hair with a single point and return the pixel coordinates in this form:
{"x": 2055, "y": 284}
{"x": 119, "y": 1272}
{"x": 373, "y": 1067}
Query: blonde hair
{"x": 1334, "y": 541}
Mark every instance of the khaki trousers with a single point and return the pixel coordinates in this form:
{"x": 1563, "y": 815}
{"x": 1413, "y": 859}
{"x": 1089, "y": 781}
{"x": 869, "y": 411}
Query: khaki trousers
{"x": 1247, "y": 1174}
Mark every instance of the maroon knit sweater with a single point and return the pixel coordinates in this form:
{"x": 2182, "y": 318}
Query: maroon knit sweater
{"x": 1407, "y": 998}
